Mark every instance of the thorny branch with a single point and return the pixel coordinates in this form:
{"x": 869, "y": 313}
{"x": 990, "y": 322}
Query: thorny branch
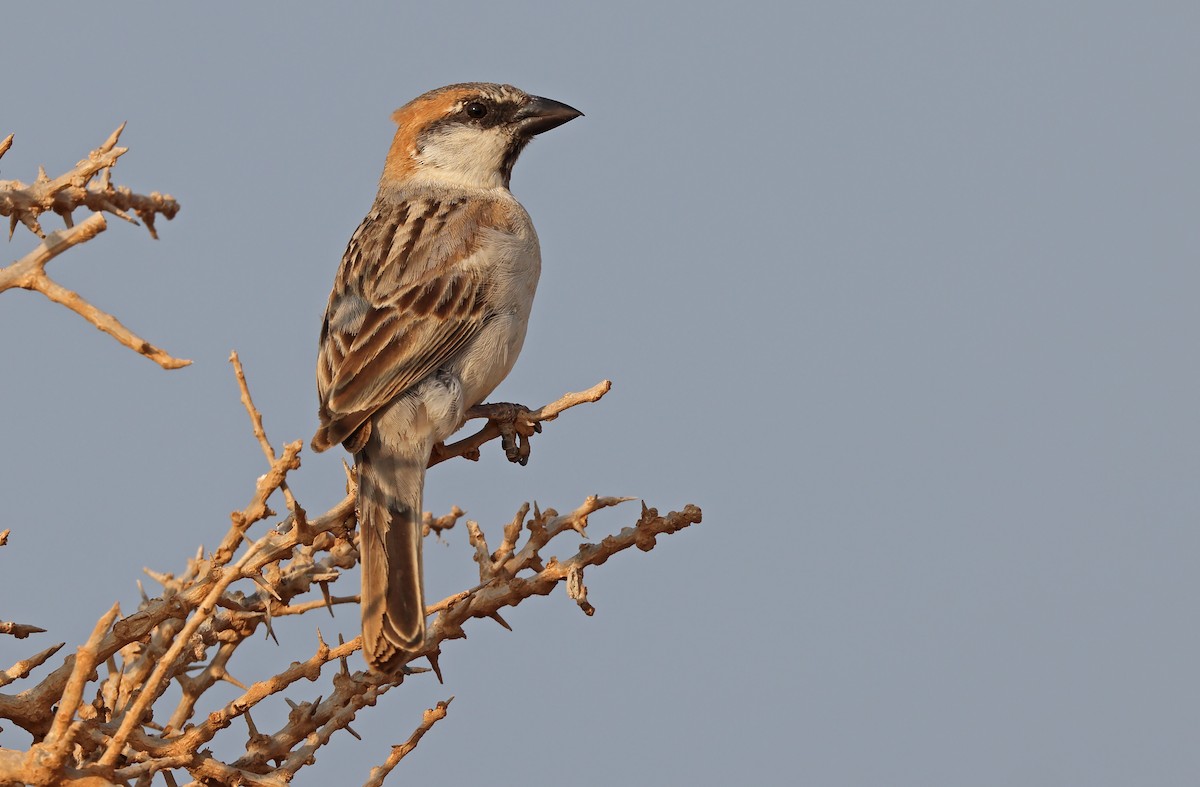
{"x": 129, "y": 730}
{"x": 87, "y": 186}
{"x": 528, "y": 421}
{"x": 25, "y": 666}
{"x": 431, "y": 717}
{"x": 18, "y": 630}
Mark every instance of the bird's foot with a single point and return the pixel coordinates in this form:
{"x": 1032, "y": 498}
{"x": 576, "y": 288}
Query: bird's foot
{"x": 516, "y": 424}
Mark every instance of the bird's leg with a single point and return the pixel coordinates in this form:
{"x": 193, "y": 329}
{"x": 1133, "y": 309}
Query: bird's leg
{"x": 516, "y": 424}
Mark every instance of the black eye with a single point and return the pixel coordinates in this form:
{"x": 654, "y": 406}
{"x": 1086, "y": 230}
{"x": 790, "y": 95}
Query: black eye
{"x": 477, "y": 109}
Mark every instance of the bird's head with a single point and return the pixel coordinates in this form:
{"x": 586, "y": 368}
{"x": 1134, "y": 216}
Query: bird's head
{"x": 468, "y": 134}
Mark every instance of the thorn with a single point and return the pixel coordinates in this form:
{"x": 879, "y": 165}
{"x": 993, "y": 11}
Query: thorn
{"x": 113, "y": 138}
{"x": 328, "y": 598}
{"x": 113, "y": 209}
{"x": 496, "y": 617}
{"x": 433, "y": 662}
{"x": 158, "y": 576}
{"x": 300, "y": 523}
{"x": 345, "y": 666}
{"x": 32, "y": 223}
{"x": 291, "y": 704}
{"x": 250, "y": 724}
{"x": 262, "y": 583}
{"x": 42, "y": 177}
{"x": 350, "y": 730}
{"x": 142, "y": 590}
{"x": 270, "y": 629}
{"x": 225, "y": 676}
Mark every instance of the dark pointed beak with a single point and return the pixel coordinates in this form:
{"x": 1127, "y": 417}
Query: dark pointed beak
{"x": 543, "y": 114}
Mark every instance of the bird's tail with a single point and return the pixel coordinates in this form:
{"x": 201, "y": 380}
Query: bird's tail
{"x": 389, "y": 528}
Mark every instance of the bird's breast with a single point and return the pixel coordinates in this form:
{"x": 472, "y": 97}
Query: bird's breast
{"x": 514, "y": 264}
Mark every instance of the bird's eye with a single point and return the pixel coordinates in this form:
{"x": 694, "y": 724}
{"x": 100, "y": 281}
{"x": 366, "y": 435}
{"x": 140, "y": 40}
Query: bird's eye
{"x": 477, "y": 109}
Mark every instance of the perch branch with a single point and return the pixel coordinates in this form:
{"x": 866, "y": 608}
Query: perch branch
{"x": 190, "y": 635}
{"x": 468, "y": 447}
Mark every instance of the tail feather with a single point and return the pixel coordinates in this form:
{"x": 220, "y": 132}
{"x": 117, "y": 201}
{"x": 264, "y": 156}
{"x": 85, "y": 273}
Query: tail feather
{"x": 389, "y": 521}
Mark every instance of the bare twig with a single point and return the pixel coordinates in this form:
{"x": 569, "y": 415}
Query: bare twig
{"x": 431, "y": 717}
{"x": 22, "y": 668}
{"x": 151, "y": 690}
{"x": 18, "y": 630}
{"x": 52, "y": 753}
{"x": 503, "y": 586}
{"x": 439, "y": 525}
{"x": 24, "y": 203}
{"x": 29, "y": 273}
{"x": 261, "y": 434}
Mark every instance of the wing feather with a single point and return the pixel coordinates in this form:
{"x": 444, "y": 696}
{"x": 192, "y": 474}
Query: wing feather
{"x": 406, "y": 300}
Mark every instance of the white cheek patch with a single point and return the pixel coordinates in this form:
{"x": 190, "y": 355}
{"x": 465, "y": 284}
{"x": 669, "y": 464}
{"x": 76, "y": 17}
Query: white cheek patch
{"x": 465, "y": 155}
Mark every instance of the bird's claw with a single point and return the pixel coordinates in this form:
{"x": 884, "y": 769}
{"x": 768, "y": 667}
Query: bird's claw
{"x": 516, "y": 424}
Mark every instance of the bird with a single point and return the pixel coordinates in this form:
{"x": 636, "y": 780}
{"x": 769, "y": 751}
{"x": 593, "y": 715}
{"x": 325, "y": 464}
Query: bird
{"x": 427, "y": 315}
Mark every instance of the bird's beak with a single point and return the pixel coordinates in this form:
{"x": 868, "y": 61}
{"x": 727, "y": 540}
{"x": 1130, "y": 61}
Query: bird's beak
{"x": 543, "y": 114}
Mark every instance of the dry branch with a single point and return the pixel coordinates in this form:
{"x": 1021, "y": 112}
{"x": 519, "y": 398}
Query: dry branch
{"x": 23, "y": 667}
{"x": 431, "y": 717}
{"x": 189, "y": 636}
{"x": 87, "y": 186}
{"x": 80, "y": 188}
{"x": 259, "y": 432}
{"x": 19, "y": 630}
{"x": 468, "y": 447}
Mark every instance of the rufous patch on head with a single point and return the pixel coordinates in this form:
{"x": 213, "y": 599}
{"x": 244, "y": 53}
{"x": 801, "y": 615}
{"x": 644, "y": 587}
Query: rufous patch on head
{"x": 413, "y": 118}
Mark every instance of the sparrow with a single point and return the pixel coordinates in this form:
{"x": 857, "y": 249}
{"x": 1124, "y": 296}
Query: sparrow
{"x": 427, "y": 315}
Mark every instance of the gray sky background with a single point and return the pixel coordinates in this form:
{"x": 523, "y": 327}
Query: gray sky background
{"x": 903, "y": 295}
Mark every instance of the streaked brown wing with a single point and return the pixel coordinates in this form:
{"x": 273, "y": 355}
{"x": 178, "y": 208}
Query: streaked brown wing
{"x": 404, "y": 304}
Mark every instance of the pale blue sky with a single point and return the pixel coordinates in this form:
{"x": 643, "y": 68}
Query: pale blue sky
{"x": 903, "y": 295}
